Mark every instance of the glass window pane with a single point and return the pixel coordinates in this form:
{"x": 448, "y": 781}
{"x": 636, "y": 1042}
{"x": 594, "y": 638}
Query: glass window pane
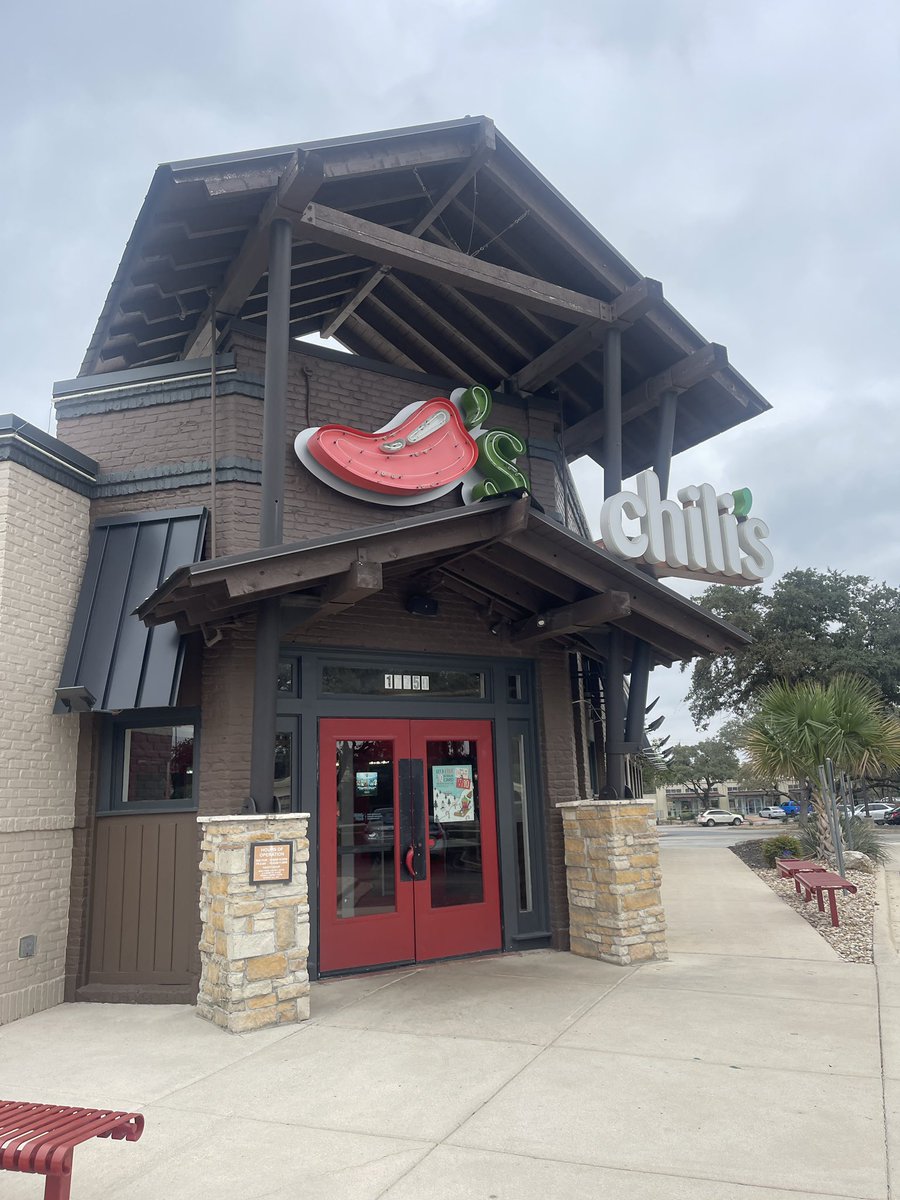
{"x": 520, "y": 818}
{"x": 454, "y": 823}
{"x": 285, "y": 684}
{"x": 373, "y": 681}
{"x": 158, "y": 764}
{"x": 366, "y": 832}
{"x": 284, "y": 764}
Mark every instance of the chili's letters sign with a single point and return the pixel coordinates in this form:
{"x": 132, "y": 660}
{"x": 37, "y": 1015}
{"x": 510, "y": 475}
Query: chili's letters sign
{"x": 708, "y": 536}
{"x": 427, "y": 450}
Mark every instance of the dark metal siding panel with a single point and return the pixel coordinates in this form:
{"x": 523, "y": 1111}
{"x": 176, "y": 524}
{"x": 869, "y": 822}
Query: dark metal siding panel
{"x": 127, "y": 667}
{"x": 105, "y": 616}
{"x": 71, "y": 668}
{"x": 111, "y": 652}
{"x": 162, "y": 663}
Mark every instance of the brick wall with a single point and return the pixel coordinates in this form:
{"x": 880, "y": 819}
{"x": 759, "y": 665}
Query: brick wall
{"x": 319, "y": 391}
{"x": 43, "y": 546}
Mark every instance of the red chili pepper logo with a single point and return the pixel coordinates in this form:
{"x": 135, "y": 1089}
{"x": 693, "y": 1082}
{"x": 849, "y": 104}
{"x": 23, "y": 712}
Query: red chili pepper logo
{"x": 430, "y": 449}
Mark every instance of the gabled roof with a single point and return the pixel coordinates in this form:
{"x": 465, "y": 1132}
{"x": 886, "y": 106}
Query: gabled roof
{"x": 466, "y": 195}
{"x": 536, "y": 579}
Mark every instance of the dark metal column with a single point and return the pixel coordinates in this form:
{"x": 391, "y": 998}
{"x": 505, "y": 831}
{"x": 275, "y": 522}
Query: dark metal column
{"x": 612, "y": 412}
{"x": 665, "y": 436}
{"x": 615, "y": 713}
{"x": 271, "y": 517}
{"x": 612, "y": 483}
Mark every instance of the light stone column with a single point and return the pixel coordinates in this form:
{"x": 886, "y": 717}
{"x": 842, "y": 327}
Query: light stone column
{"x": 255, "y": 939}
{"x": 613, "y": 879}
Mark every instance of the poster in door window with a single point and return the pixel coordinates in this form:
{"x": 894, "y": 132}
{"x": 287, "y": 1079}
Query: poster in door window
{"x": 453, "y": 791}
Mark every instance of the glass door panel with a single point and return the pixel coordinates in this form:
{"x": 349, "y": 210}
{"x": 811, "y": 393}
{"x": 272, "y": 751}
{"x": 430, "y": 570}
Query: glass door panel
{"x": 366, "y": 833}
{"x": 454, "y": 813}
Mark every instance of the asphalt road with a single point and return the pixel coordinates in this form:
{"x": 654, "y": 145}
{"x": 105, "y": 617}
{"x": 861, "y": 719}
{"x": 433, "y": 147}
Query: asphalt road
{"x": 728, "y": 835}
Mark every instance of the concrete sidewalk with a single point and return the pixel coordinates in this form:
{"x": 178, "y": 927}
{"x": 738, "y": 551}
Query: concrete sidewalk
{"x": 747, "y": 1067}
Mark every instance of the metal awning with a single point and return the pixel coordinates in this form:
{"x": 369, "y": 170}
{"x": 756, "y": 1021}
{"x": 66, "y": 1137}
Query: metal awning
{"x": 533, "y": 578}
{"x": 113, "y": 661}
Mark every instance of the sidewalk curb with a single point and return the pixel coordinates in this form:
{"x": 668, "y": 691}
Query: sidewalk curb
{"x": 886, "y": 930}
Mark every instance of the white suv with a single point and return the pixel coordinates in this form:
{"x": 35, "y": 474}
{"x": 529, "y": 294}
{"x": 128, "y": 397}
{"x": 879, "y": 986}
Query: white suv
{"x": 718, "y": 816}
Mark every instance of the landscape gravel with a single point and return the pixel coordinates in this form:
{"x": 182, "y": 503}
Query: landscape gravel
{"x": 853, "y": 938}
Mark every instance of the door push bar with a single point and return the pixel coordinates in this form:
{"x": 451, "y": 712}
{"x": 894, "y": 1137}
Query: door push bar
{"x": 413, "y": 829}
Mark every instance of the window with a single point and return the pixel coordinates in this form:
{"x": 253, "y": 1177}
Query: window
{"x": 374, "y": 681}
{"x": 152, "y": 761}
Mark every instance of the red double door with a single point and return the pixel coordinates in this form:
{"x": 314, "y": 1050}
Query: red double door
{"x": 408, "y": 842}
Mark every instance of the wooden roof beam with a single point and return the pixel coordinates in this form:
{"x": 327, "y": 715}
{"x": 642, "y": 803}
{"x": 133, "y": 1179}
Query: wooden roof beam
{"x": 329, "y": 227}
{"x": 431, "y": 359}
{"x": 297, "y": 184}
{"x": 579, "y": 617}
{"x": 360, "y": 580}
{"x": 484, "y": 151}
{"x": 628, "y": 307}
{"x": 582, "y": 436}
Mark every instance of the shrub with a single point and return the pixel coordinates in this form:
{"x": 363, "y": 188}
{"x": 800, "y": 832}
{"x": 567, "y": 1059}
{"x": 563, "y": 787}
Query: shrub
{"x": 862, "y": 835}
{"x": 859, "y": 834}
{"x": 783, "y": 846}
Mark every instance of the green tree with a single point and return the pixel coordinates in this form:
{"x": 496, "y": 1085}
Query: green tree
{"x": 798, "y": 726}
{"x": 700, "y": 767}
{"x": 813, "y": 625}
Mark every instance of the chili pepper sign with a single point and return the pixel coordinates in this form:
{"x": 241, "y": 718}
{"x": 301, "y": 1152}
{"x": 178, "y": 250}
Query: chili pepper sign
{"x": 427, "y": 450}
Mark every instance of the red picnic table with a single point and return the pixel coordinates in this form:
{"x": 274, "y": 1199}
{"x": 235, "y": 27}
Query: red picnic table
{"x": 820, "y": 881}
{"x": 40, "y": 1139}
{"x": 788, "y": 868}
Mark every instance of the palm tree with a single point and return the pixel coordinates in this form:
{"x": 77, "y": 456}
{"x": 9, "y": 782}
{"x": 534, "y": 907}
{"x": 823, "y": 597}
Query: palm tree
{"x": 798, "y": 726}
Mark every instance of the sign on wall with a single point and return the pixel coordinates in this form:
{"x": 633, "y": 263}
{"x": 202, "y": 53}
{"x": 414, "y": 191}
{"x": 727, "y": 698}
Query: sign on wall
{"x": 271, "y": 862}
{"x": 425, "y": 451}
{"x": 708, "y": 536}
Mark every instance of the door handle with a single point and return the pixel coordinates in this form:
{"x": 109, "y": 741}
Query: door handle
{"x": 410, "y": 860}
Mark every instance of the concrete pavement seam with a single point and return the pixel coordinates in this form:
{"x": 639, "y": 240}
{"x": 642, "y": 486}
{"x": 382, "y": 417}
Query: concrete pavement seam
{"x": 478, "y": 1107}
{"x": 580, "y": 1162}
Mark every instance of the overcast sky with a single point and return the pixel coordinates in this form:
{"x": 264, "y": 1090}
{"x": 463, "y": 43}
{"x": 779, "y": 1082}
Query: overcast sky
{"x": 746, "y": 154}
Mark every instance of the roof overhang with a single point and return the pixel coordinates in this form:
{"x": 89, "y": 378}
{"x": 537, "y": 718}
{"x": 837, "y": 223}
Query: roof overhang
{"x": 438, "y": 248}
{"x": 534, "y": 579}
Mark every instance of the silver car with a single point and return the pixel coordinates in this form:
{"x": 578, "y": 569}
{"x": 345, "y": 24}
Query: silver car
{"x": 718, "y": 816}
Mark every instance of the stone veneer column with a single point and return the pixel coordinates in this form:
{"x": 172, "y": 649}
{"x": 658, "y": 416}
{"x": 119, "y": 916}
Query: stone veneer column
{"x": 613, "y": 878}
{"x": 255, "y": 938}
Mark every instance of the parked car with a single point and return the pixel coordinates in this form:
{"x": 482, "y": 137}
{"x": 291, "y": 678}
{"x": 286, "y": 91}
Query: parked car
{"x": 892, "y": 817}
{"x": 878, "y": 809}
{"x": 775, "y": 813}
{"x": 718, "y": 816}
{"x": 790, "y": 808}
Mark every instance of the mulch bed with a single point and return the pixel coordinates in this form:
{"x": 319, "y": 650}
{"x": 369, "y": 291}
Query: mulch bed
{"x": 852, "y": 939}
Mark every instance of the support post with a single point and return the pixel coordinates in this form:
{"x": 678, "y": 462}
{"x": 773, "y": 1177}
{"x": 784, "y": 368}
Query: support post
{"x": 665, "y": 436}
{"x": 637, "y": 695}
{"x": 271, "y": 517}
{"x": 612, "y": 408}
{"x": 615, "y": 714}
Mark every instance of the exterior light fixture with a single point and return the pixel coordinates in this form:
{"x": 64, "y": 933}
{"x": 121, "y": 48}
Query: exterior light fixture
{"x": 76, "y": 699}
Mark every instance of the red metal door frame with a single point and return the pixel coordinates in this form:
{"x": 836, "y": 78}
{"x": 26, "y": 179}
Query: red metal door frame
{"x": 416, "y": 930}
{"x": 473, "y": 927}
{"x": 379, "y": 937}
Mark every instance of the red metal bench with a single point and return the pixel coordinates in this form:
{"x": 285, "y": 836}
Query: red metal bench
{"x": 41, "y": 1138}
{"x": 788, "y": 868}
{"x": 820, "y": 881}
